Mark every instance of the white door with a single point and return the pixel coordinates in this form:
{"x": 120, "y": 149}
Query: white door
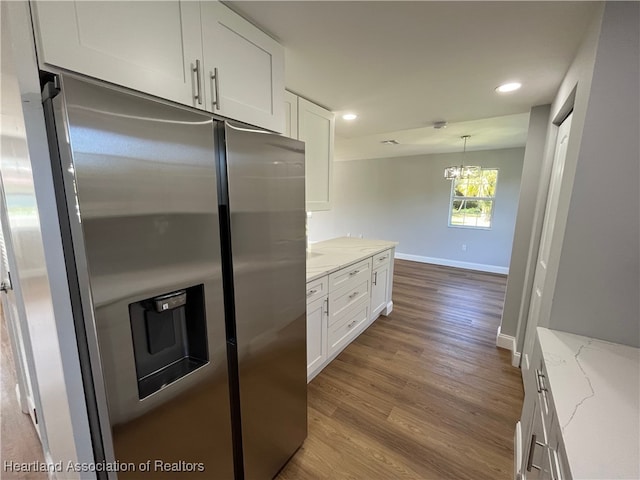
{"x": 149, "y": 46}
{"x": 316, "y": 335}
{"x": 244, "y": 69}
{"x": 20, "y": 345}
{"x": 548, "y": 225}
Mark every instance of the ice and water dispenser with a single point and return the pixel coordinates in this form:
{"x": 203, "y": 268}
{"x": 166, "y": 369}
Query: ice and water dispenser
{"x": 169, "y": 337}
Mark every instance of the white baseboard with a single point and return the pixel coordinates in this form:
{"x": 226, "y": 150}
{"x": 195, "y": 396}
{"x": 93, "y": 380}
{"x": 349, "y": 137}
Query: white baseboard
{"x": 515, "y": 359}
{"x": 505, "y": 341}
{"x": 454, "y": 263}
{"x": 509, "y": 343}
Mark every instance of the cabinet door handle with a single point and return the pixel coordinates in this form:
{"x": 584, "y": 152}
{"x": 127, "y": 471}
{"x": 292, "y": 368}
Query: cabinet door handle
{"x": 540, "y": 386}
{"x": 326, "y": 310}
{"x": 353, "y": 295}
{"x": 311, "y": 292}
{"x": 355, "y": 272}
{"x": 352, "y": 324}
{"x": 198, "y": 95}
{"x": 215, "y": 102}
{"x": 375, "y": 278}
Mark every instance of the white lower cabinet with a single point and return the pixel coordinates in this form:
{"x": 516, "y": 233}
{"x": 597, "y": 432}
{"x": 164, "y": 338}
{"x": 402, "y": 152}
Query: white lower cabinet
{"x": 316, "y": 335}
{"x": 343, "y": 331}
{"x": 317, "y": 321}
{"x": 343, "y": 304}
{"x": 542, "y": 453}
{"x": 381, "y": 281}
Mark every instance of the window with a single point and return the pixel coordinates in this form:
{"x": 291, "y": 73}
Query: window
{"x": 472, "y": 200}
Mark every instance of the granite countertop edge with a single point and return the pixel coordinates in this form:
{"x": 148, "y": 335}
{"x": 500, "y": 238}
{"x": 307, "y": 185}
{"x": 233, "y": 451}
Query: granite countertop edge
{"x": 326, "y": 257}
{"x": 595, "y": 388}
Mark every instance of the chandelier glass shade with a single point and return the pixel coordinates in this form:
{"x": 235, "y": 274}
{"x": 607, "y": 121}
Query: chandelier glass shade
{"x": 462, "y": 171}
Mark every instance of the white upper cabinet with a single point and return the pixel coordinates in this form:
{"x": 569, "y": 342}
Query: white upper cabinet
{"x": 316, "y": 128}
{"x": 195, "y": 53}
{"x": 147, "y": 46}
{"x": 243, "y": 69}
{"x": 290, "y": 115}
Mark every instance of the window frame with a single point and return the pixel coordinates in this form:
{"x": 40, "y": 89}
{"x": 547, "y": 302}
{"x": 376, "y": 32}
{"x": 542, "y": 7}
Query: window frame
{"x": 453, "y": 197}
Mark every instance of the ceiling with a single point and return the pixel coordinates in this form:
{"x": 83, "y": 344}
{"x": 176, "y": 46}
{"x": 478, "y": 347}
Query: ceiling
{"x": 401, "y": 66}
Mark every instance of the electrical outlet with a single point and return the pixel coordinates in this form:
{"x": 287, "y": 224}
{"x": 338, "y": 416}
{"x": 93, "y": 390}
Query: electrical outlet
{"x": 464, "y": 247}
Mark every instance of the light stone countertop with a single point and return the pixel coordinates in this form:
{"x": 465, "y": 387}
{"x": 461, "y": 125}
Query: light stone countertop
{"x": 595, "y": 386}
{"x": 331, "y": 255}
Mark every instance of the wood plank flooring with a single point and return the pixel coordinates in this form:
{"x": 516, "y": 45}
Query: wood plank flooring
{"x": 421, "y": 394}
{"x": 19, "y": 440}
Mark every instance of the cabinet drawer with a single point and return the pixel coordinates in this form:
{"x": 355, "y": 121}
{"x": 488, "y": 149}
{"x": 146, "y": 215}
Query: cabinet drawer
{"x": 540, "y": 374}
{"x": 381, "y": 258}
{"x": 350, "y": 276}
{"x": 341, "y": 300}
{"x": 317, "y": 289}
{"x": 344, "y": 330}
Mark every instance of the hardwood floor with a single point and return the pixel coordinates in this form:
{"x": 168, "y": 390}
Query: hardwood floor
{"x": 421, "y": 394}
{"x": 20, "y": 442}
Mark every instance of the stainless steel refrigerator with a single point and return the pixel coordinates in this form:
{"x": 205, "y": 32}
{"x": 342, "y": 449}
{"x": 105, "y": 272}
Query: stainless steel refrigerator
{"x": 185, "y": 249}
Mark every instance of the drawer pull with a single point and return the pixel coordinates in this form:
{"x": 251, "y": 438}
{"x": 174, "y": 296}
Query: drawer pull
{"x": 352, "y": 324}
{"x": 353, "y": 295}
{"x": 382, "y": 258}
{"x": 540, "y": 386}
{"x": 355, "y": 272}
{"x": 311, "y": 292}
{"x": 532, "y": 449}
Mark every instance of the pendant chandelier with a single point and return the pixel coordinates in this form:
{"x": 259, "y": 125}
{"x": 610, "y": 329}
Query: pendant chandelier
{"x": 461, "y": 171}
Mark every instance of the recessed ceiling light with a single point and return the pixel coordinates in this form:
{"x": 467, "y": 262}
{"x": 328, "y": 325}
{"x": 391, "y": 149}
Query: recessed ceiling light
{"x": 508, "y": 87}
{"x": 390, "y": 142}
{"x": 349, "y": 116}
{"x": 440, "y": 124}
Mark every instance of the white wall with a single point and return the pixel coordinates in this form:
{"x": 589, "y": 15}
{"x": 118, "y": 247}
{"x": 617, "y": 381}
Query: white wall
{"x": 519, "y": 277}
{"x": 406, "y": 199}
{"x": 598, "y": 280}
{"x": 574, "y": 89}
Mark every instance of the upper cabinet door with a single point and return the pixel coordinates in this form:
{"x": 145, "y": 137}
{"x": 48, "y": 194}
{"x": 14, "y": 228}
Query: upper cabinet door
{"x": 150, "y": 46}
{"x": 290, "y": 115}
{"x": 316, "y": 128}
{"x": 244, "y": 69}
